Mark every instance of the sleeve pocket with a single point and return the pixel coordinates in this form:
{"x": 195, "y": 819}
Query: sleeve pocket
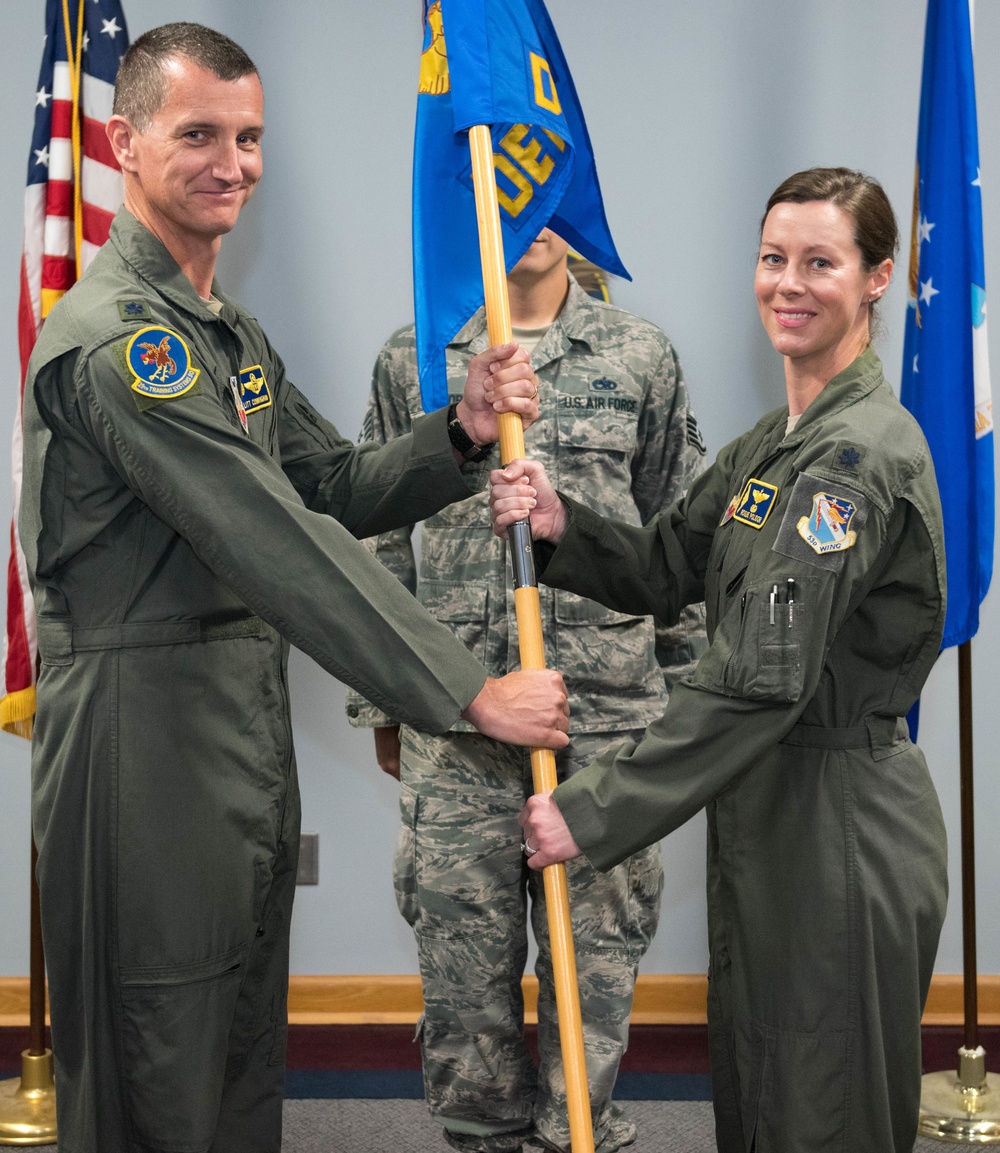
{"x": 768, "y": 665}
{"x": 764, "y": 661}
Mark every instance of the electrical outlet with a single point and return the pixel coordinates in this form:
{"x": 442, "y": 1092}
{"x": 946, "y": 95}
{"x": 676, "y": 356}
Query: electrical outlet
{"x": 308, "y": 873}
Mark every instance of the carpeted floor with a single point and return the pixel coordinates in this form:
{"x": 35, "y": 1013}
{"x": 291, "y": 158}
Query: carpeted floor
{"x": 358, "y": 1089}
{"x": 404, "y": 1127}
{"x": 389, "y": 1126}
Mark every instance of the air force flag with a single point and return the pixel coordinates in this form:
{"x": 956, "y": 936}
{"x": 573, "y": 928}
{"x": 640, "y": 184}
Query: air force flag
{"x": 945, "y": 380}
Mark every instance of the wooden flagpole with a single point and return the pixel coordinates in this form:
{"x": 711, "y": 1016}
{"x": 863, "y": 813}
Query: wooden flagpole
{"x": 532, "y": 649}
{"x": 963, "y": 1108}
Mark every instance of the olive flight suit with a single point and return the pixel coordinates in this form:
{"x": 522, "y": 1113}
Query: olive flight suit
{"x": 820, "y": 556}
{"x": 174, "y": 554}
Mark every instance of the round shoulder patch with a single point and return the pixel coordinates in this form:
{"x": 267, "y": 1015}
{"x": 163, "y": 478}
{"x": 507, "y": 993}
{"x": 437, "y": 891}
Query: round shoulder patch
{"x": 160, "y": 362}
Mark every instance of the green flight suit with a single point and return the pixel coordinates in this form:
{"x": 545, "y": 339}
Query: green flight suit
{"x": 173, "y": 557}
{"x": 826, "y": 847}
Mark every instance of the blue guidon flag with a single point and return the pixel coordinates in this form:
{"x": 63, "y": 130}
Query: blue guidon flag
{"x": 945, "y": 381}
{"x": 495, "y": 62}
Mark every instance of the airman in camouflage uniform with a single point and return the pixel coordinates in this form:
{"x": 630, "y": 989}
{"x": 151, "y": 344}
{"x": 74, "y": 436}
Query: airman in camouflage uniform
{"x": 615, "y": 426}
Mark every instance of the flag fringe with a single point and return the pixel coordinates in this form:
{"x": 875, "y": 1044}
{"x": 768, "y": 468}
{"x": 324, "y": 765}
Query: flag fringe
{"x": 17, "y": 713}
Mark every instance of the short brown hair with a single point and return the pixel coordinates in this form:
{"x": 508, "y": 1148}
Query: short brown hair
{"x": 141, "y": 85}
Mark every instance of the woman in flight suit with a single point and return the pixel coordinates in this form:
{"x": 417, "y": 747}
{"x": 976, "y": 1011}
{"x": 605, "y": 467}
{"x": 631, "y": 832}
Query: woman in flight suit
{"x": 816, "y": 541}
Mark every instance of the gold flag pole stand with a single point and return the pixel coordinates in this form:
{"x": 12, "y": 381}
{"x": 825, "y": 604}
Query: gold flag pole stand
{"x": 963, "y": 1108}
{"x": 532, "y": 649}
{"x": 28, "y": 1102}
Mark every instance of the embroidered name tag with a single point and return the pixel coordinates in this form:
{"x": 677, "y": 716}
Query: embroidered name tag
{"x": 755, "y": 503}
{"x": 827, "y": 527}
{"x": 160, "y": 363}
{"x": 254, "y": 391}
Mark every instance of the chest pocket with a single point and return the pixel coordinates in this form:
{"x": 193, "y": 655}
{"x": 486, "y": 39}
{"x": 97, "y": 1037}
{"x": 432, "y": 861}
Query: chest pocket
{"x": 600, "y": 422}
{"x": 572, "y": 609}
{"x": 596, "y": 446}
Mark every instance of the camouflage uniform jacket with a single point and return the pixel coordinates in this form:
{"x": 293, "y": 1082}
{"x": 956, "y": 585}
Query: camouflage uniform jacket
{"x": 616, "y": 431}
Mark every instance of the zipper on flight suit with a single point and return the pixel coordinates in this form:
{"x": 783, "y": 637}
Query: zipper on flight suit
{"x": 236, "y": 356}
{"x": 232, "y": 384}
{"x": 735, "y": 583}
{"x": 737, "y": 580}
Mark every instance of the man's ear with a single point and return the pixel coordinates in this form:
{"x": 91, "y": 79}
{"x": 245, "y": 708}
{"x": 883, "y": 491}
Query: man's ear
{"x": 121, "y": 136}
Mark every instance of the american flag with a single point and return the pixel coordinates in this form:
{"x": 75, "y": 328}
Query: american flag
{"x": 74, "y": 189}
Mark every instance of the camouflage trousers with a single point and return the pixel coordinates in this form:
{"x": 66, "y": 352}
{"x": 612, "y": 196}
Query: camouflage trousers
{"x": 463, "y": 886}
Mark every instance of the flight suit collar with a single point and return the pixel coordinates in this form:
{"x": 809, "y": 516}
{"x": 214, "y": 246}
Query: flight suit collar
{"x": 861, "y": 377}
{"x": 767, "y": 440}
{"x": 149, "y": 257}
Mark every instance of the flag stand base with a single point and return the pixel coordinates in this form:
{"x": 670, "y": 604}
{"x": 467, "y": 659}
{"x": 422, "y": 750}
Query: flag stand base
{"x": 964, "y": 1108}
{"x": 28, "y": 1103}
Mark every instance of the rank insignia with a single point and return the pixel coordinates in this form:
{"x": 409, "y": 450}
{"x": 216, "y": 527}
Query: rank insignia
{"x": 160, "y": 363}
{"x": 693, "y": 433}
{"x": 253, "y": 389}
{"x": 848, "y": 457}
{"x": 133, "y": 310}
{"x": 827, "y": 527}
{"x": 755, "y": 503}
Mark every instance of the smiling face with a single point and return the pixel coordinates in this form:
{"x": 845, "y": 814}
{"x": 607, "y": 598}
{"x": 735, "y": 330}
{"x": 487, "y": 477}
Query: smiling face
{"x": 812, "y": 290}
{"x": 188, "y": 175}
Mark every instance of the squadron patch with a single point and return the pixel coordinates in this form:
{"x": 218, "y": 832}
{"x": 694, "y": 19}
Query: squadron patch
{"x": 254, "y": 391}
{"x": 755, "y": 503}
{"x": 827, "y": 527}
{"x": 822, "y": 521}
{"x": 160, "y": 364}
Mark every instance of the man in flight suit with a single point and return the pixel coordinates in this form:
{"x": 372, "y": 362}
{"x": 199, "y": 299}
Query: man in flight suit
{"x": 187, "y": 514}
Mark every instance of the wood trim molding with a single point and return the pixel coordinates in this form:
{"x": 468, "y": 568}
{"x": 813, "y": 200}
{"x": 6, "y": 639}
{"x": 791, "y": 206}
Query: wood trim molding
{"x": 675, "y": 999}
{"x": 660, "y": 999}
{"x": 945, "y": 1000}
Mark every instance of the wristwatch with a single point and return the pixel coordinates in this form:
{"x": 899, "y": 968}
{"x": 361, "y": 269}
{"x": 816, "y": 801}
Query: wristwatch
{"x": 463, "y": 444}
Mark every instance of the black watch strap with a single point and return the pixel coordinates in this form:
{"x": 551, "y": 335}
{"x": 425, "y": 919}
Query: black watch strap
{"x": 462, "y": 442}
